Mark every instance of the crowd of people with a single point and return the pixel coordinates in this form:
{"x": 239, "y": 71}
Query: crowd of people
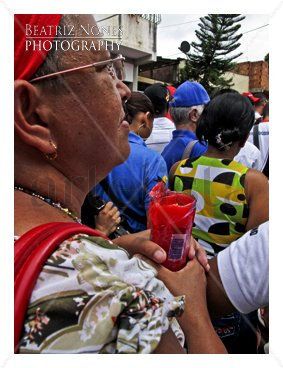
{"x": 88, "y": 152}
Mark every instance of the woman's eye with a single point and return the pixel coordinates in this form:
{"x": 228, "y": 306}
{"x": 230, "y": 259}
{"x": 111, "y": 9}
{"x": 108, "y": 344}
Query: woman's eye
{"x": 110, "y": 69}
{"x": 101, "y": 68}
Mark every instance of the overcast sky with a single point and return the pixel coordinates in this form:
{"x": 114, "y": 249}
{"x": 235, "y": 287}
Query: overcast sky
{"x": 170, "y": 34}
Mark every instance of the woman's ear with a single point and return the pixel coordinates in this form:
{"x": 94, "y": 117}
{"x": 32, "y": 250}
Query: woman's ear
{"x": 148, "y": 118}
{"x": 31, "y": 118}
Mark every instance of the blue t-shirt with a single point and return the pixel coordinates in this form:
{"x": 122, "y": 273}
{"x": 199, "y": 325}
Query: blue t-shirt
{"x": 132, "y": 181}
{"x": 174, "y": 150}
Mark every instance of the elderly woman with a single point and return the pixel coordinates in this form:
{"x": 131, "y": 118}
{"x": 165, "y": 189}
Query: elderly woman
{"x": 89, "y": 295}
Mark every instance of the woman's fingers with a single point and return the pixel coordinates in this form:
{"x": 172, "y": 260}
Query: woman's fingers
{"x": 116, "y": 216}
{"x": 114, "y": 211}
{"x": 144, "y": 234}
{"x": 201, "y": 256}
{"x": 192, "y": 252}
{"x": 139, "y": 243}
{"x": 107, "y": 208}
{"x": 150, "y": 250}
{"x": 111, "y": 212}
{"x": 195, "y": 250}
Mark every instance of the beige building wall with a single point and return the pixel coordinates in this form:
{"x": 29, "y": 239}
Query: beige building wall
{"x": 240, "y": 82}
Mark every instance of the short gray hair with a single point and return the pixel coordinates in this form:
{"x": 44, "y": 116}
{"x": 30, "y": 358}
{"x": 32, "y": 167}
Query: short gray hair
{"x": 180, "y": 115}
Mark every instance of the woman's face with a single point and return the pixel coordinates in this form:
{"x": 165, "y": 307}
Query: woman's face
{"x": 87, "y": 116}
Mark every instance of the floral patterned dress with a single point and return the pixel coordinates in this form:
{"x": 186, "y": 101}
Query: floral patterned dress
{"x": 92, "y": 298}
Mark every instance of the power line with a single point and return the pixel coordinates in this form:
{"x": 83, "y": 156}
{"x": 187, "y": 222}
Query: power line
{"x": 251, "y": 40}
{"x": 251, "y": 30}
{"x": 193, "y": 21}
{"x": 179, "y": 24}
{"x": 176, "y": 53}
{"x": 111, "y": 16}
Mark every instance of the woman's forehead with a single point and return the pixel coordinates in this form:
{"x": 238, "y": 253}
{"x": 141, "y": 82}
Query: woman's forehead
{"x": 94, "y": 48}
{"x": 73, "y": 58}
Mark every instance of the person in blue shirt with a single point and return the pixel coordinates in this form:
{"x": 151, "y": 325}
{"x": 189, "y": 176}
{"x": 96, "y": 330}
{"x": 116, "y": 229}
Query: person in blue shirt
{"x": 185, "y": 109}
{"x": 128, "y": 185}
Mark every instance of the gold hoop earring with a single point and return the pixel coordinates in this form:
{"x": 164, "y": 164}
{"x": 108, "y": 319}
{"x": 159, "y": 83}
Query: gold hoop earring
{"x": 52, "y": 156}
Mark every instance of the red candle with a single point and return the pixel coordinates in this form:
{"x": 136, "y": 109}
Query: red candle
{"x": 171, "y": 217}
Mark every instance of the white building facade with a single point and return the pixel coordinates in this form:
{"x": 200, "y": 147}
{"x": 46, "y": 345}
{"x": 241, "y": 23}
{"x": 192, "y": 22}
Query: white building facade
{"x": 133, "y": 36}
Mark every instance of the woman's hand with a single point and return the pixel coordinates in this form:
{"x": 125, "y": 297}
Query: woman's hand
{"x": 108, "y": 219}
{"x": 189, "y": 281}
{"x": 196, "y": 250}
{"x": 195, "y": 321}
{"x": 140, "y": 243}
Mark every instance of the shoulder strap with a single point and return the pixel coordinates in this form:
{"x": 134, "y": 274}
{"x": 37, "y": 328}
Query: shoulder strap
{"x": 31, "y": 252}
{"x": 256, "y": 136}
{"x": 266, "y": 167}
{"x": 127, "y": 211}
{"x": 188, "y": 150}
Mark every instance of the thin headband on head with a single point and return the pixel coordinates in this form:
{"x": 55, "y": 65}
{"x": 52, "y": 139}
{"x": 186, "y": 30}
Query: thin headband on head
{"x": 28, "y": 61}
